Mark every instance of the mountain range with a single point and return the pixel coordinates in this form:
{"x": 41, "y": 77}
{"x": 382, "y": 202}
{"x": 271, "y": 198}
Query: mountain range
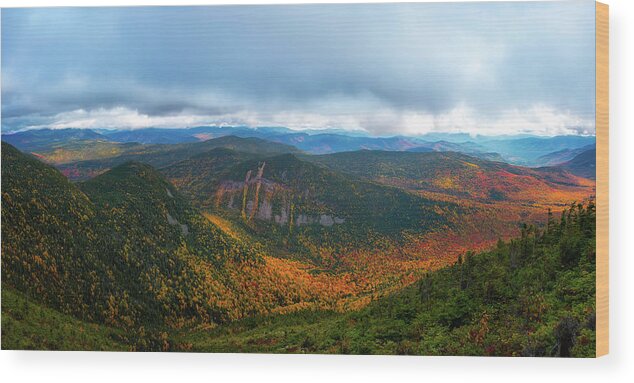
{"x": 155, "y": 243}
{"x": 60, "y": 145}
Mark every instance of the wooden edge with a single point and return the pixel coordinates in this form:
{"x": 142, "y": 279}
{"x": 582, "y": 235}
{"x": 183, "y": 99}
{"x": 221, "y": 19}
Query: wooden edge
{"x": 602, "y": 176}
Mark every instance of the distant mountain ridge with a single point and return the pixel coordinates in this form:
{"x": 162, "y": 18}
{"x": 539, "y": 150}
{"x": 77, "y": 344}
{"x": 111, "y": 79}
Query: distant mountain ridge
{"x": 583, "y": 164}
{"x": 527, "y": 151}
{"x": 449, "y": 173}
{"x": 161, "y": 155}
{"x": 562, "y": 156}
{"x": 45, "y": 139}
{"x": 521, "y": 150}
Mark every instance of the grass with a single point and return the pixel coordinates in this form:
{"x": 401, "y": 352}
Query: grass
{"x": 288, "y": 333}
{"x": 26, "y": 325}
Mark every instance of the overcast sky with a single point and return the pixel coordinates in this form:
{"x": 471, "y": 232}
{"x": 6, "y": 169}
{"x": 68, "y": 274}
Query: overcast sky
{"x": 487, "y": 68}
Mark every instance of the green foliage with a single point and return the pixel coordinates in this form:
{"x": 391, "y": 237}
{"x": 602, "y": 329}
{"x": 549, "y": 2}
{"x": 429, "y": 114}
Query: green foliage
{"x": 125, "y": 249}
{"x": 449, "y": 173}
{"x": 364, "y": 205}
{"x": 42, "y": 140}
{"x": 27, "y": 325}
{"x": 531, "y": 296}
{"x": 47, "y": 227}
{"x": 368, "y": 213}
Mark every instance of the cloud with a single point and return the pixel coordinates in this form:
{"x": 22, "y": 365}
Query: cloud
{"x": 385, "y": 68}
{"x": 539, "y": 120}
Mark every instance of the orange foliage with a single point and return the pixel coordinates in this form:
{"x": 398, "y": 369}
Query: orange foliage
{"x": 357, "y": 277}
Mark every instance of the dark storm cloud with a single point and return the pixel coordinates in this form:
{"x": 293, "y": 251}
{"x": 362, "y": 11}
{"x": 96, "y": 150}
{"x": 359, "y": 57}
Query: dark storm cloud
{"x": 384, "y": 67}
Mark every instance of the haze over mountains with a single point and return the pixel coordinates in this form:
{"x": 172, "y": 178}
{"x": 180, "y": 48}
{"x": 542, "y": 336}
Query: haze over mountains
{"x": 519, "y": 150}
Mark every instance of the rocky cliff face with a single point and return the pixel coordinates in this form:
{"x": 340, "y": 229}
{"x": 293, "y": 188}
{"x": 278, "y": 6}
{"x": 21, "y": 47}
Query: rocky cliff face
{"x": 266, "y": 200}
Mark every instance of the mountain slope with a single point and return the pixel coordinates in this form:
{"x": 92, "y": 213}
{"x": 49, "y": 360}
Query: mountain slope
{"x": 468, "y": 148}
{"x": 46, "y": 228}
{"x": 199, "y": 176}
{"x": 561, "y": 156}
{"x": 519, "y": 149}
{"x": 315, "y": 142}
{"x": 527, "y": 151}
{"x": 295, "y": 202}
{"x": 48, "y": 139}
{"x": 135, "y": 199}
{"x": 332, "y": 143}
{"x": 125, "y": 249}
{"x": 584, "y": 164}
{"x": 523, "y": 150}
{"x": 316, "y": 190}
{"x": 450, "y": 173}
{"x": 531, "y": 296}
{"x": 27, "y": 325}
{"x": 164, "y": 155}
{"x": 153, "y": 136}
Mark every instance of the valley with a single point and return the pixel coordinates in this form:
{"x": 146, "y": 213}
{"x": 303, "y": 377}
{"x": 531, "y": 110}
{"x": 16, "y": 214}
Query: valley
{"x": 181, "y": 245}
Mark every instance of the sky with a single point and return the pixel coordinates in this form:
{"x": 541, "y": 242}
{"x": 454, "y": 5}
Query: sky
{"x": 479, "y": 68}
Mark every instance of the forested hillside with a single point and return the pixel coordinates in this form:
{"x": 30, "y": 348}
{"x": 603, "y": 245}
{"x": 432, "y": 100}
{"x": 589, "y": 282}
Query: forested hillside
{"x": 161, "y": 155}
{"x": 124, "y": 249}
{"x": 301, "y": 207}
{"x": 127, "y": 250}
{"x": 381, "y": 179}
{"x": 292, "y": 253}
{"x": 49, "y": 139}
{"x": 454, "y": 174}
{"x": 119, "y": 250}
{"x": 583, "y": 164}
{"x": 531, "y": 296}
